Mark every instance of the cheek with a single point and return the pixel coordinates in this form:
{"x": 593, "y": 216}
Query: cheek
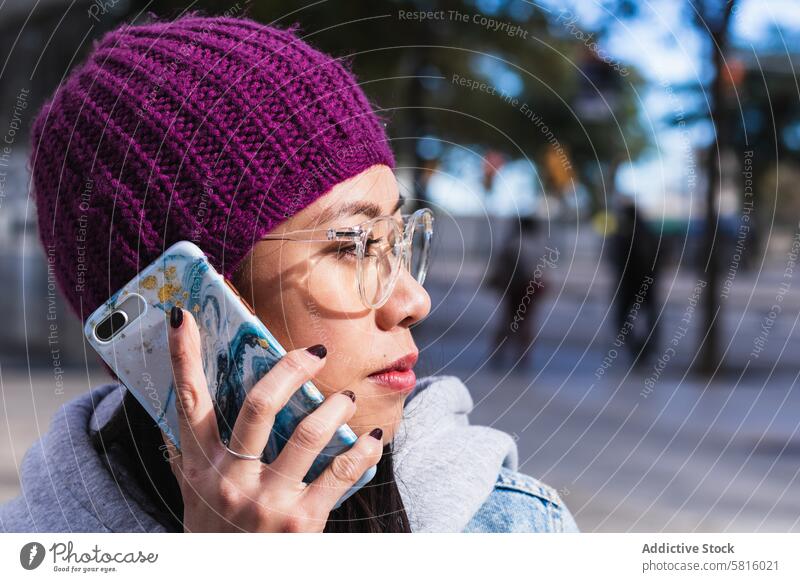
{"x": 319, "y": 304}
{"x": 348, "y": 356}
{"x": 299, "y": 319}
{"x": 331, "y": 288}
{"x": 304, "y": 314}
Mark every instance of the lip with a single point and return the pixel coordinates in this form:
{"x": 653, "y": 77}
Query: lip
{"x": 399, "y": 375}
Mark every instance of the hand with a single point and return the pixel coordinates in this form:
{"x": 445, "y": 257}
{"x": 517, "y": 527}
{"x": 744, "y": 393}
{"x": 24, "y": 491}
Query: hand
{"x": 224, "y": 493}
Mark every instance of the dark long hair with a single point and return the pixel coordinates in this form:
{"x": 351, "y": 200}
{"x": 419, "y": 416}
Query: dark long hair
{"x": 135, "y": 440}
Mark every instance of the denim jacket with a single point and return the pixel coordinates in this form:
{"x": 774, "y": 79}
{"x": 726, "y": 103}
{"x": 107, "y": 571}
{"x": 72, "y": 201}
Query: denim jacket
{"x": 520, "y": 503}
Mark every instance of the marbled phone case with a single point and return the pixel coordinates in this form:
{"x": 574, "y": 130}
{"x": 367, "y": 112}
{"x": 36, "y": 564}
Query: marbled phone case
{"x": 237, "y": 350}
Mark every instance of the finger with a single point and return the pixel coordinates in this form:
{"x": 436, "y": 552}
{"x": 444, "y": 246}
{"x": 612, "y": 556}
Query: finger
{"x": 265, "y": 399}
{"x": 344, "y": 471}
{"x": 311, "y": 436}
{"x": 198, "y": 432}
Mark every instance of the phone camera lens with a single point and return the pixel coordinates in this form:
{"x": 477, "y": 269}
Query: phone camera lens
{"x": 111, "y": 326}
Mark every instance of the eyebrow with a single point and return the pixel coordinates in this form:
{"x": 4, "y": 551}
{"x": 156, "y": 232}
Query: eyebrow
{"x": 368, "y": 209}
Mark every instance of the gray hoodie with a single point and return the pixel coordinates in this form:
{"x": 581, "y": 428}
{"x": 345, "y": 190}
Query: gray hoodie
{"x": 445, "y": 467}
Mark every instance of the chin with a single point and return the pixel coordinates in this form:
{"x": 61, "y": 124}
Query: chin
{"x": 377, "y": 406}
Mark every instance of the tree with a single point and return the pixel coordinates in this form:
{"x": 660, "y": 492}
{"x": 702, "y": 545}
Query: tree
{"x": 411, "y": 66}
{"x": 711, "y": 19}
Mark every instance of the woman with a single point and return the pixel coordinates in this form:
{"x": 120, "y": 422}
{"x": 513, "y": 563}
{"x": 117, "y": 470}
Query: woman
{"x": 247, "y": 141}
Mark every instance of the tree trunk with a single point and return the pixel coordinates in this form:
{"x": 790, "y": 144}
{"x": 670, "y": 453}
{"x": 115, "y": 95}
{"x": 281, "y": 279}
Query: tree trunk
{"x": 709, "y": 360}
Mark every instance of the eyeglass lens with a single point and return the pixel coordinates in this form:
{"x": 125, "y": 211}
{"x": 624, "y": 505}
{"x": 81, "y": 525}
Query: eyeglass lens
{"x": 420, "y": 241}
{"x": 383, "y": 256}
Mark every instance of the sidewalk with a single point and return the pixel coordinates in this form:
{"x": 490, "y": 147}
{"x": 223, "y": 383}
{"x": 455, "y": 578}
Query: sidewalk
{"x": 677, "y": 453}
{"x": 689, "y": 458}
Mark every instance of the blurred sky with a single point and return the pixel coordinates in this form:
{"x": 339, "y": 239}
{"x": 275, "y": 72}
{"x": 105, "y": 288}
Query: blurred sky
{"x": 667, "y": 51}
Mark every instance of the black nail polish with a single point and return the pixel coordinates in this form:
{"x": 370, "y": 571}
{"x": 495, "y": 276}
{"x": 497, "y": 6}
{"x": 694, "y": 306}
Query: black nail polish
{"x": 350, "y": 394}
{"x": 318, "y": 350}
{"x": 176, "y": 317}
{"x": 376, "y": 433}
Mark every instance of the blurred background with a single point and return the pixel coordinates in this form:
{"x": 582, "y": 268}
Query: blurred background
{"x": 617, "y": 196}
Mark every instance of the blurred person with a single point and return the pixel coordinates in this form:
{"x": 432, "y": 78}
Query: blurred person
{"x": 635, "y": 256}
{"x": 518, "y": 275}
{"x": 245, "y": 140}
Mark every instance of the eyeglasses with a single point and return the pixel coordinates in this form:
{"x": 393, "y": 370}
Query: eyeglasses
{"x": 381, "y": 247}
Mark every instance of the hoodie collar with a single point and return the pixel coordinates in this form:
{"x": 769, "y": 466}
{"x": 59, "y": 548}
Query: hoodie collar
{"x": 445, "y": 467}
{"x": 65, "y": 484}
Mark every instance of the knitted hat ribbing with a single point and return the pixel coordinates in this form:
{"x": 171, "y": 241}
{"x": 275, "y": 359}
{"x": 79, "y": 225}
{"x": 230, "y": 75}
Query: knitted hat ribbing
{"x": 208, "y": 129}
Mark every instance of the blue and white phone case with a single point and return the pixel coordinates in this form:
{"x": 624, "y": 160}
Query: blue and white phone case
{"x": 237, "y": 350}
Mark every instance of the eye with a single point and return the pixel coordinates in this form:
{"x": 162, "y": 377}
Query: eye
{"x": 347, "y": 250}
{"x": 372, "y": 243}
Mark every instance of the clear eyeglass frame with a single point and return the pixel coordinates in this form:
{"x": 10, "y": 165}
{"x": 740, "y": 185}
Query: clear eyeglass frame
{"x": 358, "y": 234}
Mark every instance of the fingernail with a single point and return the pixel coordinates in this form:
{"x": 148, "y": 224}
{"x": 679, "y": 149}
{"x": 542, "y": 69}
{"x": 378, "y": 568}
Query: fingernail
{"x": 376, "y": 433}
{"x": 350, "y": 394}
{"x": 318, "y": 350}
{"x": 176, "y": 317}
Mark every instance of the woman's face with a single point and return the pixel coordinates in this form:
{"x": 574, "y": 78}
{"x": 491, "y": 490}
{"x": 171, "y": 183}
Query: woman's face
{"x": 306, "y": 293}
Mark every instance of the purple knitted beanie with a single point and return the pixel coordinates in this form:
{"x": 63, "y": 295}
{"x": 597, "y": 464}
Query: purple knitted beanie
{"x": 208, "y": 129}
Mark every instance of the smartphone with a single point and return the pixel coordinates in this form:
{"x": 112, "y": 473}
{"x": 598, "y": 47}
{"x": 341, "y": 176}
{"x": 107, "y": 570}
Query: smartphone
{"x": 129, "y": 332}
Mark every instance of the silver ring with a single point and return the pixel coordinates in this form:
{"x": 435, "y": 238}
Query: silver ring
{"x": 240, "y": 455}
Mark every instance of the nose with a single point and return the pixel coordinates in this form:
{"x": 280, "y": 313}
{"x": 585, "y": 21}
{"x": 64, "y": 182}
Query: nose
{"x": 408, "y": 304}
